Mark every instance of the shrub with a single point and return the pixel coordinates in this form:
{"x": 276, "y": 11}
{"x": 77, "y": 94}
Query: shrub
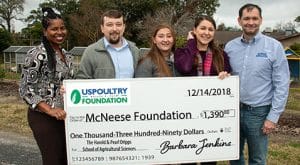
{"x": 2, "y": 73}
{"x": 180, "y": 41}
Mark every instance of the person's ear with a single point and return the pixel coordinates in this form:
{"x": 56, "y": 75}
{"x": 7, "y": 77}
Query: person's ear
{"x": 153, "y": 40}
{"x": 45, "y": 32}
{"x": 239, "y": 21}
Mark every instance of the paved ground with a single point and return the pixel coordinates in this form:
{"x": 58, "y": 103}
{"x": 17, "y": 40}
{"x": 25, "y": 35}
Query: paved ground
{"x": 16, "y": 149}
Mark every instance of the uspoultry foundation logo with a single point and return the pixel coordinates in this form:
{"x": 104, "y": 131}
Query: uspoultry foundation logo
{"x": 98, "y": 96}
{"x": 75, "y": 96}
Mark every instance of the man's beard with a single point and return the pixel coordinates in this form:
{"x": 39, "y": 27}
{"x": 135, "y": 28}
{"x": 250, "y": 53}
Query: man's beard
{"x": 114, "y": 40}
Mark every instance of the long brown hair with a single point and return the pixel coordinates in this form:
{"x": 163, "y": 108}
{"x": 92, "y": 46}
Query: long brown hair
{"x": 218, "y": 59}
{"x": 155, "y": 54}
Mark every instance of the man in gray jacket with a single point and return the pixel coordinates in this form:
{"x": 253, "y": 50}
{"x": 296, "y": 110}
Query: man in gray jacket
{"x": 112, "y": 56}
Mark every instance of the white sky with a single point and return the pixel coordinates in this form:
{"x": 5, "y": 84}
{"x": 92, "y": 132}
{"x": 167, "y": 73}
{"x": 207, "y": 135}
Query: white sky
{"x": 28, "y": 6}
{"x": 273, "y": 11}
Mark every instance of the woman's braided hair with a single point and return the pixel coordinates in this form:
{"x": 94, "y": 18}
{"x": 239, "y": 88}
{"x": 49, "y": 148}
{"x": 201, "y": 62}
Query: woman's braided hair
{"x": 49, "y": 14}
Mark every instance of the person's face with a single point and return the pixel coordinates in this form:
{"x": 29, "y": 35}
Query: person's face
{"x": 204, "y": 32}
{"x": 250, "y": 21}
{"x": 164, "y": 40}
{"x": 113, "y": 29}
{"x": 56, "y": 32}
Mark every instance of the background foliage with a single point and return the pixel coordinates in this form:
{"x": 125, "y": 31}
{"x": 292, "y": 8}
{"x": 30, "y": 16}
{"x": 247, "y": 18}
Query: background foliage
{"x": 82, "y": 18}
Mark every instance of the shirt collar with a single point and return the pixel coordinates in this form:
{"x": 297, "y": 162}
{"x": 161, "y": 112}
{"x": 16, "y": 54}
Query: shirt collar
{"x": 107, "y": 44}
{"x": 170, "y": 57}
{"x": 253, "y": 40}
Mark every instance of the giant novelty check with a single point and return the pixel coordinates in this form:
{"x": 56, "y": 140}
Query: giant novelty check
{"x": 152, "y": 120}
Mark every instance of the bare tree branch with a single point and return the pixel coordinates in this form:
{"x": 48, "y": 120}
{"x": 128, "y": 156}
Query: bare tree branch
{"x": 9, "y": 9}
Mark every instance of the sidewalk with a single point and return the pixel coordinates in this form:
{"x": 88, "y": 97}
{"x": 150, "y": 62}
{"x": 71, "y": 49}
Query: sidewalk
{"x": 16, "y": 149}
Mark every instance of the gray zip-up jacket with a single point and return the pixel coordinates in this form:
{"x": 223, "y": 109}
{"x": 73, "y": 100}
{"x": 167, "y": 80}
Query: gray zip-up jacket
{"x": 147, "y": 68}
{"x": 96, "y": 62}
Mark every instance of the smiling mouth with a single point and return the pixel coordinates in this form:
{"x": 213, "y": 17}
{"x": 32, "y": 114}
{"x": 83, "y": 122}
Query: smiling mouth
{"x": 114, "y": 34}
{"x": 206, "y": 39}
{"x": 59, "y": 39}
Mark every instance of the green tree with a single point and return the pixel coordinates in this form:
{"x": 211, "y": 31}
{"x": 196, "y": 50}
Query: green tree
{"x": 135, "y": 11}
{"x": 5, "y": 40}
{"x": 35, "y": 16}
{"x": 65, "y": 7}
{"x": 297, "y": 19}
{"x": 9, "y": 9}
{"x": 221, "y": 27}
{"x": 87, "y": 21}
{"x": 31, "y": 35}
{"x": 83, "y": 16}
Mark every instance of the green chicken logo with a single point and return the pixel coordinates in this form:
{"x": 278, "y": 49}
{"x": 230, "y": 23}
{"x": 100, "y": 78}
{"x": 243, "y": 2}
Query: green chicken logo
{"x": 75, "y": 96}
